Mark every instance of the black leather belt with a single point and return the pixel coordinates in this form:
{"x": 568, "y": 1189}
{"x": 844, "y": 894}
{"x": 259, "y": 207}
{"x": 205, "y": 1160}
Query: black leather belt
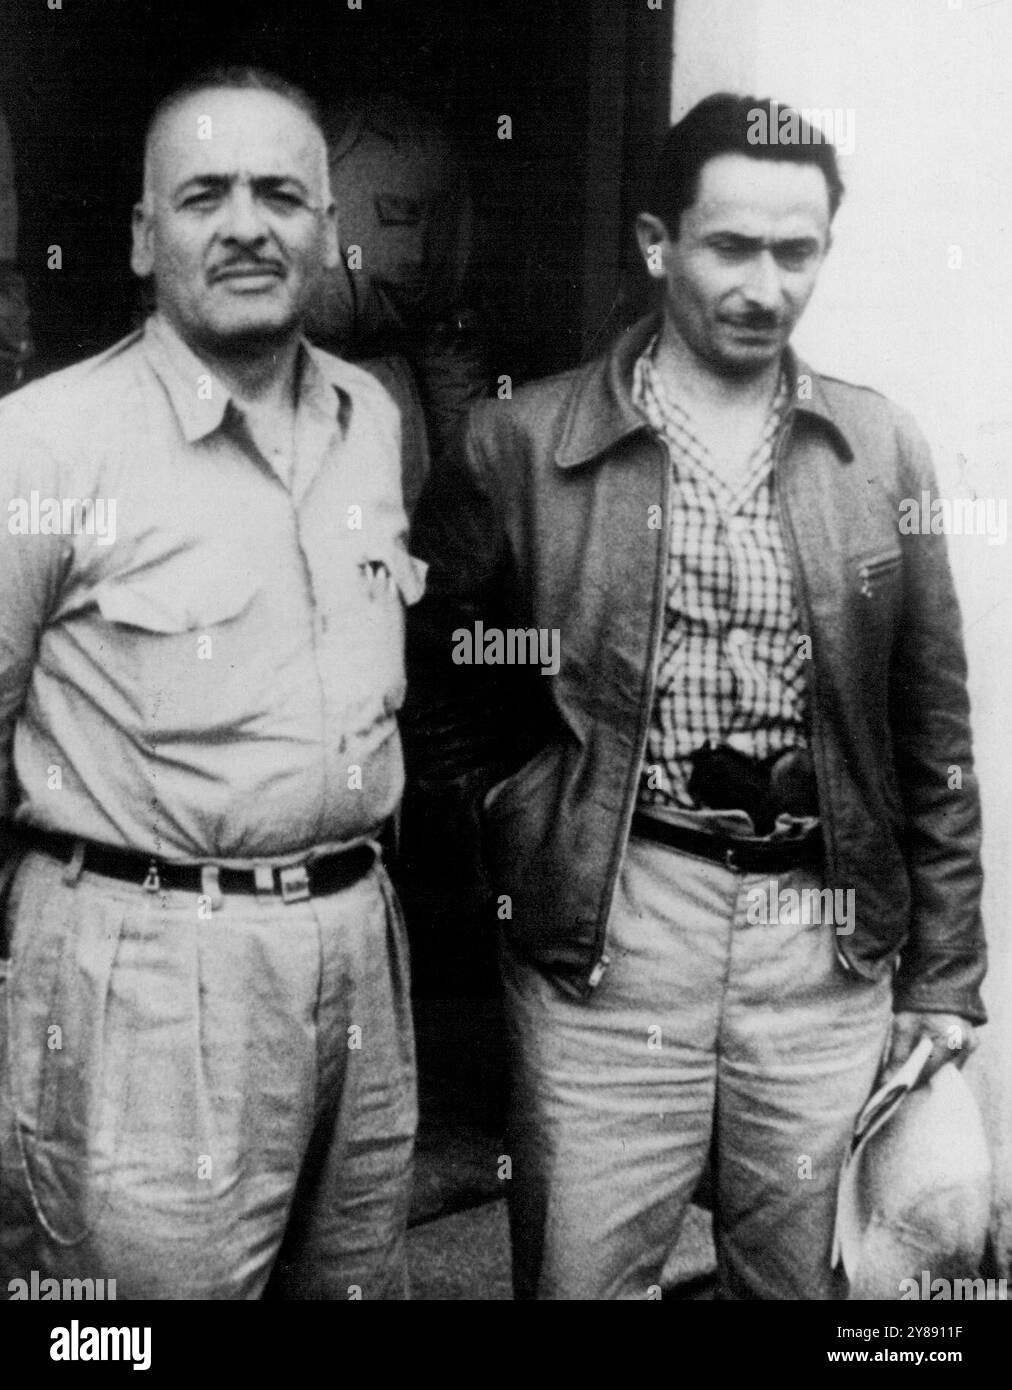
{"x": 294, "y": 883}
{"x": 745, "y": 856}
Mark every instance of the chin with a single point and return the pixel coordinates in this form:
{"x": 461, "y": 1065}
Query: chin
{"x": 249, "y": 334}
{"x": 747, "y": 363}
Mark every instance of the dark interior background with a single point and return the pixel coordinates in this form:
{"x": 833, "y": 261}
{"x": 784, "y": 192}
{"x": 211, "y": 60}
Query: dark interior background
{"x": 586, "y": 83}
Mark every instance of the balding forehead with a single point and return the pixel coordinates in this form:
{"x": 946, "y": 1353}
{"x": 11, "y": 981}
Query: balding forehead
{"x": 226, "y": 131}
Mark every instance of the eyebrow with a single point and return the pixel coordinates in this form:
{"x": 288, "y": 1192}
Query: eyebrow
{"x": 262, "y": 183}
{"x": 755, "y": 243}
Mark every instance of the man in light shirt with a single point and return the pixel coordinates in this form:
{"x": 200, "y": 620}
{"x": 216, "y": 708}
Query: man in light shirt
{"x": 208, "y": 1080}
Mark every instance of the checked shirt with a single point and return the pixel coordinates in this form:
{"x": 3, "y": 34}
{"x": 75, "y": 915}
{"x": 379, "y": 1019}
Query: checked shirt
{"x": 731, "y": 662}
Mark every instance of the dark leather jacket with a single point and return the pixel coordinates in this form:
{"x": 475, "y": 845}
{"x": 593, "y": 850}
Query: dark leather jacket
{"x": 542, "y": 522}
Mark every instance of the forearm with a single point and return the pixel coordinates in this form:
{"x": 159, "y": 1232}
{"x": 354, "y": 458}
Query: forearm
{"x": 32, "y": 567}
{"x": 944, "y": 960}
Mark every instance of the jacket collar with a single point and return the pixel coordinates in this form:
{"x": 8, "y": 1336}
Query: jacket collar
{"x": 602, "y": 413}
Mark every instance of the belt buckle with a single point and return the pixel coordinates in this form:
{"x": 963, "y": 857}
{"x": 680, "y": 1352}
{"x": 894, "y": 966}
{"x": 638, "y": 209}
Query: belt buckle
{"x": 294, "y": 883}
{"x": 731, "y": 860}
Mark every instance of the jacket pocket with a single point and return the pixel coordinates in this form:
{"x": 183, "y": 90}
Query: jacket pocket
{"x": 519, "y": 821}
{"x": 878, "y": 572}
{"x": 870, "y": 613}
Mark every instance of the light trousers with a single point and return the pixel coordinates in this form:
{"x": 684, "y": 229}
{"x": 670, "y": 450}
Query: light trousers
{"x": 708, "y": 1029}
{"x": 191, "y": 1103}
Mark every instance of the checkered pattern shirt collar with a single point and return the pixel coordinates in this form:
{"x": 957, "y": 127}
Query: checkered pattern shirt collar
{"x": 669, "y": 418}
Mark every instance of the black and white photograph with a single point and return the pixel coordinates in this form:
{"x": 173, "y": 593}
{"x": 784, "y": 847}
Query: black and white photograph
{"x": 505, "y": 646}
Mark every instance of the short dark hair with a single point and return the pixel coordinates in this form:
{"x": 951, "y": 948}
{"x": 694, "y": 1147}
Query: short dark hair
{"x": 729, "y": 124}
{"x": 245, "y": 78}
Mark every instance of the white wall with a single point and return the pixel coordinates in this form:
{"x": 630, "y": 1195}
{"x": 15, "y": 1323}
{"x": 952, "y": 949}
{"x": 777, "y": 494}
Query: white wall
{"x": 929, "y": 83}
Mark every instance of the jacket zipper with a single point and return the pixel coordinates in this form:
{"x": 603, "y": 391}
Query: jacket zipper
{"x": 804, "y": 607}
{"x": 601, "y": 959}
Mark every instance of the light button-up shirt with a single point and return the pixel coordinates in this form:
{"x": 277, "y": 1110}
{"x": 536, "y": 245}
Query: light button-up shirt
{"x": 220, "y": 677}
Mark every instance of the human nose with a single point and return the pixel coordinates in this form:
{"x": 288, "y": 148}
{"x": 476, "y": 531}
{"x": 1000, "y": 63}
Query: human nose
{"x": 762, "y": 285}
{"x": 243, "y": 220}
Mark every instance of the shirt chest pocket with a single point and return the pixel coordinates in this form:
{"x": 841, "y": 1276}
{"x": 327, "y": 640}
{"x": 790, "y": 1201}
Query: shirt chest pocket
{"x": 365, "y": 650}
{"x": 180, "y": 648}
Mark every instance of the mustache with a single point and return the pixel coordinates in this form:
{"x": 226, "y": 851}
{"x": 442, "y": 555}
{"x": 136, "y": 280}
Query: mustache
{"x": 758, "y": 319}
{"x": 255, "y": 264}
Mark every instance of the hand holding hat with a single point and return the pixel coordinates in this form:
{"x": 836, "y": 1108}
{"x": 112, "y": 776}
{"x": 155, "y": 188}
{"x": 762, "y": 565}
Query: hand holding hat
{"x": 915, "y": 1188}
{"x": 952, "y": 1037}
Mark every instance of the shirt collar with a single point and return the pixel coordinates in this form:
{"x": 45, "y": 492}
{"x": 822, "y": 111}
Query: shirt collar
{"x": 202, "y": 402}
{"x": 652, "y": 395}
{"x": 601, "y": 411}
{"x": 645, "y": 374}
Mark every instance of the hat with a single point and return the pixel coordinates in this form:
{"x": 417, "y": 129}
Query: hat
{"x": 915, "y": 1188}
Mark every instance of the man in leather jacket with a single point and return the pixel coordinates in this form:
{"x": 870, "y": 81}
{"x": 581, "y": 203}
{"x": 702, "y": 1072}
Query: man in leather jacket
{"x": 731, "y": 828}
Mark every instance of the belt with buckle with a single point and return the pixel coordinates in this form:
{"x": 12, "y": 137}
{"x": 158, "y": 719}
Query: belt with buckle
{"x": 313, "y": 878}
{"x": 742, "y": 855}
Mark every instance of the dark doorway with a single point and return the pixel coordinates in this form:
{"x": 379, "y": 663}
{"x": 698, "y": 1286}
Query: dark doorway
{"x": 583, "y": 82}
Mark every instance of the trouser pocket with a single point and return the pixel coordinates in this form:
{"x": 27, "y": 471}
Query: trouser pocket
{"x": 65, "y": 943}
